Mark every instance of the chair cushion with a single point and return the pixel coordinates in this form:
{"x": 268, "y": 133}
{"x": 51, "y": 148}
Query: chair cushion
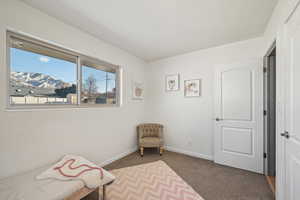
{"x": 150, "y": 130}
{"x": 151, "y": 142}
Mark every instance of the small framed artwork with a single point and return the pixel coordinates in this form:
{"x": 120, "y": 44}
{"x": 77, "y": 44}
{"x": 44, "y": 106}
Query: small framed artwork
{"x": 137, "y": 91}
{"x": 172, "y": 82}
{"x": 192, "y": 88}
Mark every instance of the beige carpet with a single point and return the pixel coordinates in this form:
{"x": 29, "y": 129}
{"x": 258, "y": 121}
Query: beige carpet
{"x": 152, "y": 181}
{"x": 210, "y": 180}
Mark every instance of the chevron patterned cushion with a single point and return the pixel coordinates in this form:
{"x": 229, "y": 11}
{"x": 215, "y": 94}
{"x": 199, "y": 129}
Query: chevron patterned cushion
{"x": 152, "y": 181}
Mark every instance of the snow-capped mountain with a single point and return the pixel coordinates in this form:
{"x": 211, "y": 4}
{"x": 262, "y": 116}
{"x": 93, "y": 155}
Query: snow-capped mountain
{"x": 36, "y": 80}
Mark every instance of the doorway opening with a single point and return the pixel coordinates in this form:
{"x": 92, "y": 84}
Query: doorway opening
{"x": 270, "y": 116}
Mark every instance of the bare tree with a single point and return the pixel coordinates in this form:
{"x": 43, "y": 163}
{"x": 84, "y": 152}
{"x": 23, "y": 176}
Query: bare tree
{"x": 90, "y": 85}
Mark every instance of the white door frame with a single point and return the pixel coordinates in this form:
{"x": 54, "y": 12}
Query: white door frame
{"x": 281, "y": 76}
{"x": 265, "y": 85}
{"x": 280, "y": 116}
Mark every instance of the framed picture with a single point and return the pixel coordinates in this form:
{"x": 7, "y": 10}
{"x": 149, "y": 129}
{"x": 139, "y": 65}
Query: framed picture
{"x": 192, "y": 88}
{"x": 137, "y": 91}
{"x": 172, "y": 82}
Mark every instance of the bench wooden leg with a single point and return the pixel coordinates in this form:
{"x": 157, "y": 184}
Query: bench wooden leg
{"x": 161, "y": 150}
{"x": 104, "y": 192}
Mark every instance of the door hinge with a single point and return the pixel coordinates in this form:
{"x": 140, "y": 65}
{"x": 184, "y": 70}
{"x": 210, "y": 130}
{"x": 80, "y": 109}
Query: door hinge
{"x": 265, "y": 155}
{"x": 265, "y": 70}
{"x": 265, "y": 112}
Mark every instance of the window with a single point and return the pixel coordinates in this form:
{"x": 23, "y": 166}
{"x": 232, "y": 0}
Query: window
{"x": 43, "y": 74}
{"x": 40, "y": 75}
{"x": 98, "y": 86}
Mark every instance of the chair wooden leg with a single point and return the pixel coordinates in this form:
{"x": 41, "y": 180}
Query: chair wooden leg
{"x": 104, "y": 192}
{"x": 142, "y": 151}
{"x": 161, "y": 150}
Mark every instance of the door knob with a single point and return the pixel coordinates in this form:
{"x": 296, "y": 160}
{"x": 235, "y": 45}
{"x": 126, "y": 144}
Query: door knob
{"x": 285, "y": 134}
{"x": 218, "y": 119}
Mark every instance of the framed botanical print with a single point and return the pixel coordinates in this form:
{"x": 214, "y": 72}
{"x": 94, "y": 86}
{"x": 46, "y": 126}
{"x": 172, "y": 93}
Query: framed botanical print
{"x": 172, "y": 82}
{"x": 192, "y": 88}
{"x": 137, "y": 90}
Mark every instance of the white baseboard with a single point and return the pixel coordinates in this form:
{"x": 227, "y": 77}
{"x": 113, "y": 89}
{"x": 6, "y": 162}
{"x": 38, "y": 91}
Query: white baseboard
{"x": 169, "y": 148}
{"x": 117, "y": 157}
{"x": 189, "y": 153}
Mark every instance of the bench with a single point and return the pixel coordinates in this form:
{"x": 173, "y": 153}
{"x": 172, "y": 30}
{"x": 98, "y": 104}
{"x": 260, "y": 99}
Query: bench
{"x": 26, "y": 187}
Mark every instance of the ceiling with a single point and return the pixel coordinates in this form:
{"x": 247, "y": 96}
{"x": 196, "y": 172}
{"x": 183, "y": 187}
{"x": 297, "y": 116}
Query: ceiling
{"x": 154, "y": 29}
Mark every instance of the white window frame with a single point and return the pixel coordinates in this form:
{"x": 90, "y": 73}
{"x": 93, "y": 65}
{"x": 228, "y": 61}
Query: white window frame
{"x": 79, "y": 80}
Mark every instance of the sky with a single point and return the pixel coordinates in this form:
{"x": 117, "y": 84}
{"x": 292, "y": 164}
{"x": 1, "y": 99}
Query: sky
{"x": 24, "y": 61}
{"x": 100, "y": 76}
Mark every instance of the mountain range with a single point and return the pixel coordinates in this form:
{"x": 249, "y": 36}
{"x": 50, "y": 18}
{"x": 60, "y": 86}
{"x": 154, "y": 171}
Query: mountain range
{"x": 24, "y": 83}
{"x": 36, "y": 80}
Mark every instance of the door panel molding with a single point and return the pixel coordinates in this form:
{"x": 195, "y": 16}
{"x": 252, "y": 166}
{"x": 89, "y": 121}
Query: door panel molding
{"x": 236, "y": 147}
{"x": 249, "y": 74}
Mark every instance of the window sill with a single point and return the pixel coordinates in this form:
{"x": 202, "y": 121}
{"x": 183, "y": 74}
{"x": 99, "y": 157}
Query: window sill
{"x": 58, "y": 108}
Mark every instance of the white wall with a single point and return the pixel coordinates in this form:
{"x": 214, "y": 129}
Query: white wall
{"x": 189, "y": 121}
{"x": 280, "y": 14}
{"x": 29, "y": 139}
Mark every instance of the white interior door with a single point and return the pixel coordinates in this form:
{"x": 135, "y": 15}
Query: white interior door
{"x": 292, "y": 109}
{"x": 239, "y": 115}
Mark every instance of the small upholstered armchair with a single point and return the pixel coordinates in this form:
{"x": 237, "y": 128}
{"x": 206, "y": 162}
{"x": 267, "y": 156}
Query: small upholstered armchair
{"x": 150, "y": 136}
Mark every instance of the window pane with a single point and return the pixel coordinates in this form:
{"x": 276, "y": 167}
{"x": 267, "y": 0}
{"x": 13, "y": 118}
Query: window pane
{"x": 98, "y": 87}
{"x": 41, "y": 79}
